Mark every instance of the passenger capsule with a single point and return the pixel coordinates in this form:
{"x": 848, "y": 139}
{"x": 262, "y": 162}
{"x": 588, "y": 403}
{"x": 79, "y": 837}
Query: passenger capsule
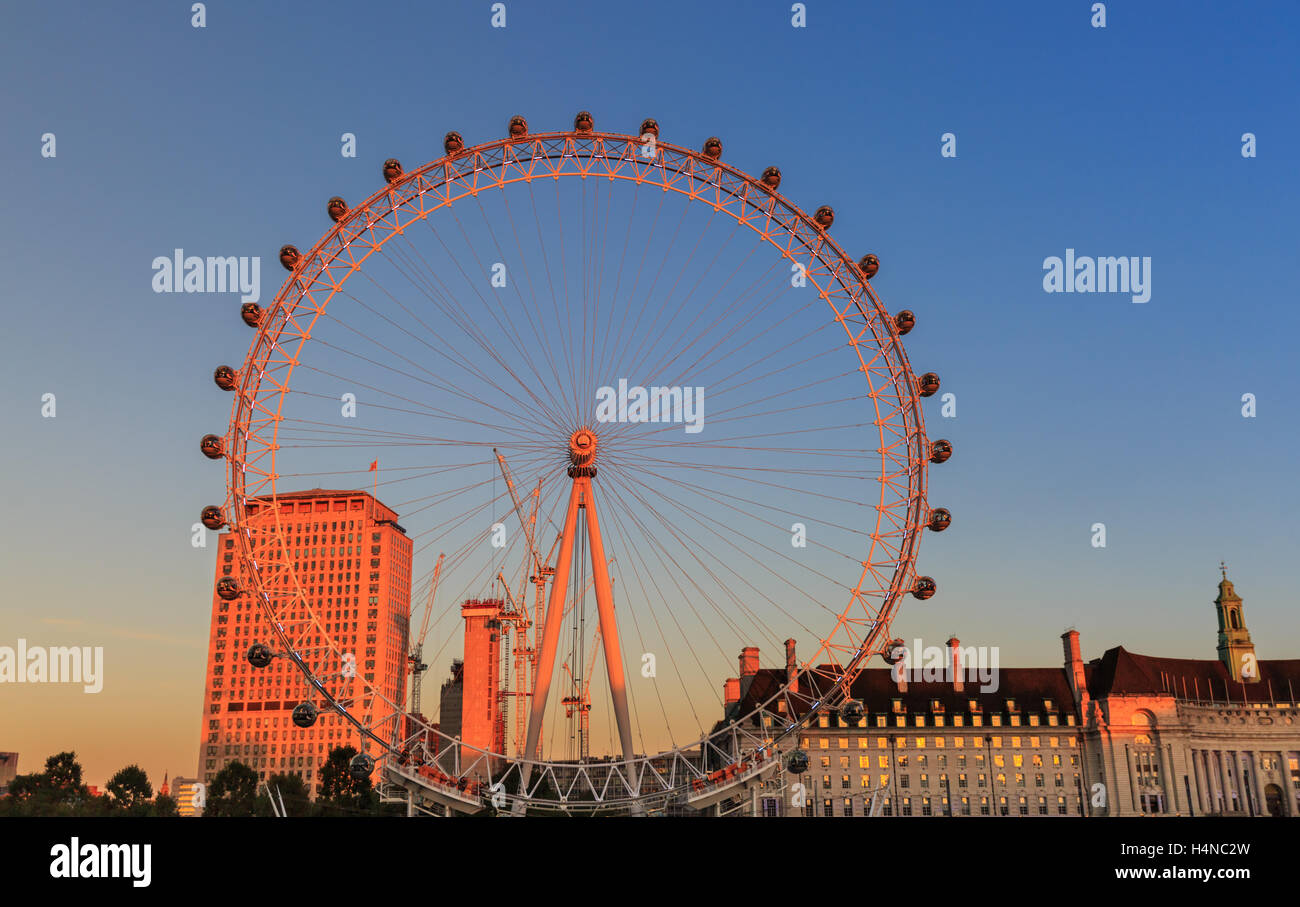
{"x": 925, "y": 588}
{"x": 213, "y": 517}
{"x": 772, "y": 178}
{"x": 895, "y": 649}
{"x": 649, "y": 127}
{"x": 452, "y": 143}
{"x": 260, "y": 655}
{"x": 518, "y": 127}
{"x": 852, "y": 712}
{"x": 928, "y": 384}
{"x": 289, "y": 256}
{"x": 713, "y": 148}
{"x": 225, "y": 377}
{"x": 940, "y": 451}
{"x": 825, "y": 216}
{"x": 336, "y": 208}
{"x": 227, "y": 588}
{"x": 940, "y": 519}
{"x": 583, "y": 122}
{"x": 797, "y": 762}
{"x": 905, "y": 321}
{"x": 251, "y": 312}
{"x": 213, "y": 447}
{"x": 304, "y": 714}
{"x": 869, "y": 264}
{"x": 392, "y": 170}
{"x": 361, "y": 766}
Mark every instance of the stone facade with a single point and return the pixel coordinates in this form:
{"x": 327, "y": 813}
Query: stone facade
{"x": 1120, "y": 735}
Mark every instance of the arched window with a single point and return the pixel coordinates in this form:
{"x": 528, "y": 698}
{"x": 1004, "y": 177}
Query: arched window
{"x": 1235, "y": 620}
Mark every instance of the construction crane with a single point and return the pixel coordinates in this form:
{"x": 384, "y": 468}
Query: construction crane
{"x": 580, "y": 699}
{"x": 415, "y": 659}
{"x": 539, "y": 574}
{"x": 516, "y": 617}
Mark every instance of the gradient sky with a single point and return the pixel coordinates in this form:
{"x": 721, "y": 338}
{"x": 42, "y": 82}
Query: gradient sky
{"x": 1072, "y": 409}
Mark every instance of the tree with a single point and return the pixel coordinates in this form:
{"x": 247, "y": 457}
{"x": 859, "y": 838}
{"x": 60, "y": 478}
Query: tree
{"x": 233, "y": 792}
{"x": 287, "y": 788}
{"x": 57, "y": 791}
{"x": 64, "y": 771}
{"x": 338, "y": 787}
{"x": 131, "y": 789}
{"x": 164, "y": 805}
{"x": 62, "y": 792}
{"x": 27, "y": 793}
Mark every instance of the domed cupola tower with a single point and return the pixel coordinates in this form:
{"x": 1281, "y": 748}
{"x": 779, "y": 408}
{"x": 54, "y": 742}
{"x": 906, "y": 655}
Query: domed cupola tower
{"x": 1236, "y": 651}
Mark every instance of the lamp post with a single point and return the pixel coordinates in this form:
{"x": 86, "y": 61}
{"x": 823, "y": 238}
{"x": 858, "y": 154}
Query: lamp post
{"x": 993, "y": 789}
{"x": 893, "y": 777}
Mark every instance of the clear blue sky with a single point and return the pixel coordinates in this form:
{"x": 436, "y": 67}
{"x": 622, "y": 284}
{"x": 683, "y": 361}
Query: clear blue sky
{"x": 1072, "y": 409}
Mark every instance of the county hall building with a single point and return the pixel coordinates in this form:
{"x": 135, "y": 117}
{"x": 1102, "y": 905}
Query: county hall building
{"x": 1120, "y": 735}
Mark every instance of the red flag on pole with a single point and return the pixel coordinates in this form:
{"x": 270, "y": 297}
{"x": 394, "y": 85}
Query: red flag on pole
{"x": 374, "y": 467}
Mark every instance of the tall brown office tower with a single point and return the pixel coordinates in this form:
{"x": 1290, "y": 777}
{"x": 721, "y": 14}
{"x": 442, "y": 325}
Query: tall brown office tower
{"x": 354, "y": 563}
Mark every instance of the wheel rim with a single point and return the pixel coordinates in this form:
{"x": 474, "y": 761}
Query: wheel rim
{"x": 887, "y": 573}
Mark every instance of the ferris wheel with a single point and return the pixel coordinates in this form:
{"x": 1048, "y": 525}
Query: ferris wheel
{"x": 635, "y": 409}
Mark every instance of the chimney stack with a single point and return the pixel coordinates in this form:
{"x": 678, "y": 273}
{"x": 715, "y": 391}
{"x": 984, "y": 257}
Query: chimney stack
{"x": 731, "y": 692}
{"x": 1074, "y": 671}
{"x": 955, "y": 672}
{"x": 749, "y": 661}
{"x": 791, "y": 667}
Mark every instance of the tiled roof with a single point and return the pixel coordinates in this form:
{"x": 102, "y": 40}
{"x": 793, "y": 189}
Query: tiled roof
{"x": 1121, "y": 672}
{"x": 877, "y": 690}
